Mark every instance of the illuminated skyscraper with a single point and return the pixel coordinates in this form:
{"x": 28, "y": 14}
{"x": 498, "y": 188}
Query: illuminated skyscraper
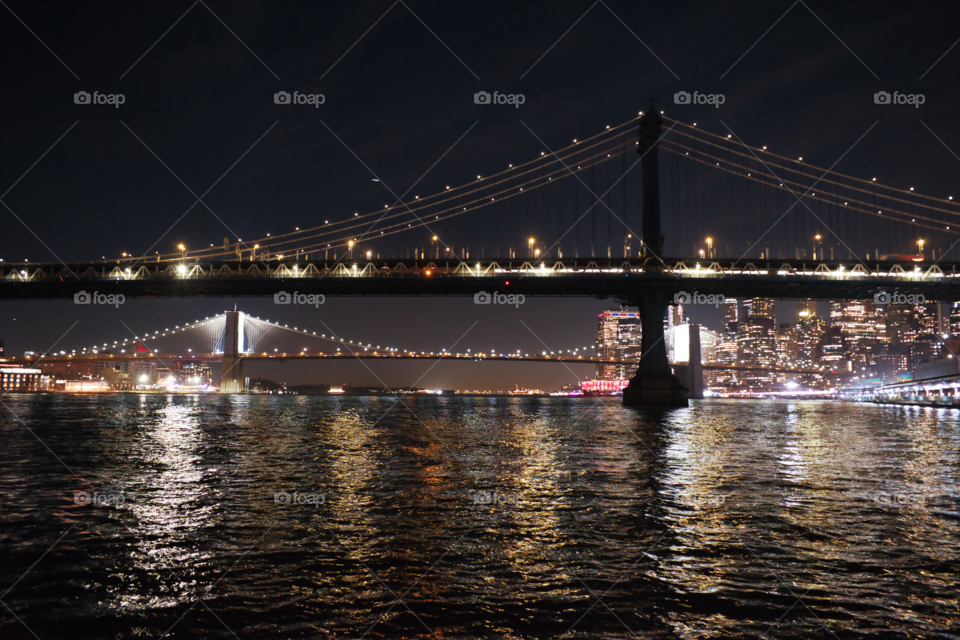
{"x": 760, "y": 308}
{"x": 831, "y": 349}
{"x": 785, "y": 344}
{"x": 903, "y": 323}
{"x": 731, "y": 314}
{"x": 955, "y": 318}
{"x": 931, "y": 320}
{"x": 618, "y": 338}
{"x": 807, "y": 340}
{"x": 757, "y": 343}
{"x": 862, "y": 329}
{"x": 674, "y": 316}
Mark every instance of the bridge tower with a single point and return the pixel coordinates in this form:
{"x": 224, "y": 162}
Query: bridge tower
{"x": 231, "y": 374}
{"x": 653, "y": 385}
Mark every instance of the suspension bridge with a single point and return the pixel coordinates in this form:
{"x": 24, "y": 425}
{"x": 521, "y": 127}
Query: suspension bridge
{"x": 743, "y": 221}
{"x": 252, "y": 339}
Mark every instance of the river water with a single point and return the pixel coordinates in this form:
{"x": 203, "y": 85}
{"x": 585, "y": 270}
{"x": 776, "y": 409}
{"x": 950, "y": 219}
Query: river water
{"x": 128, "y": 516}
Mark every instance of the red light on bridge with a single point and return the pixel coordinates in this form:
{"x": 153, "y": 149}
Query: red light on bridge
{"x": 428, "y": 272}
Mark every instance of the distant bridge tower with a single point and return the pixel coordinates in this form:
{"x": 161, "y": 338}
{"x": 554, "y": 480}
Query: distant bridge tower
{"x": 231, "y": 374}
{"x": 653, "y": 385}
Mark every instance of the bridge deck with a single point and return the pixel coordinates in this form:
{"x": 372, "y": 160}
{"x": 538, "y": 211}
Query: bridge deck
{"x": 584, "y": 277}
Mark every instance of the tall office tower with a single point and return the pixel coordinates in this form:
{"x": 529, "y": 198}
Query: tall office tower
{"x": 757, "y": 342}
{"x": 931, "y": 320}
{"x": 832, "y": 348}
{"x": 903, "y": 323}
{"x": 731, "y": 314}
{"x": 862, "y": 329}
{"x": 954, "y": 319}
{"x": 675, "y": 316}
{"x": 760, "y": 308}
{"x": 618, "y": 338}
{"x": 786, "y": 344}
{"x": 807, "y": 340}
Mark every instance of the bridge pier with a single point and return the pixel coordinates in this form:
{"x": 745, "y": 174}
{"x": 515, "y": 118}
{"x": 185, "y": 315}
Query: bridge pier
{"x": 653, "y": 385}
{"x": 231, "y": 373}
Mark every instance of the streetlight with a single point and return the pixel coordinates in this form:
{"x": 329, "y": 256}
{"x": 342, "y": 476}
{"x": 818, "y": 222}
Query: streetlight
{"x": 369, "y": 253}
{"x": 530, "y": 246}
{"x": 819, "y": 245}
{"x": 350, "y": 246}
{"x": 434, "y": 240}
{"x": 183, "y": 250}
{"x": 920, "y": 244}
{"x": 710, "y": 246}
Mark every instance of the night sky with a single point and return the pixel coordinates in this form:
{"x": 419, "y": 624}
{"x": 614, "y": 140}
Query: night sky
{"x": 199, "y": 119}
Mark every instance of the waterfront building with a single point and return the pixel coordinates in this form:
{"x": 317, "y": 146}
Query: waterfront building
{"x": 193, "y": 373}
{"x": 17, "y": 378}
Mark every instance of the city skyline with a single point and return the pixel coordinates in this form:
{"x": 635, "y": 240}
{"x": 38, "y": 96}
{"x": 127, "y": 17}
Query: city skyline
{"x": 884, "y": 341}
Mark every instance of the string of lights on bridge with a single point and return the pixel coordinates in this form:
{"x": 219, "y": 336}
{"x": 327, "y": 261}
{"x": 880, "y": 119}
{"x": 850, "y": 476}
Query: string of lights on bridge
{"x": 605, "y": 145}
{"x": 793, "y": 166}
{"x": 123, "y": 345}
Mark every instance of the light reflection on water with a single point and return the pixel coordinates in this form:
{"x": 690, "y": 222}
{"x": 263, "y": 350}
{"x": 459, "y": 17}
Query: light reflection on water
{"x": 488, "y": 517}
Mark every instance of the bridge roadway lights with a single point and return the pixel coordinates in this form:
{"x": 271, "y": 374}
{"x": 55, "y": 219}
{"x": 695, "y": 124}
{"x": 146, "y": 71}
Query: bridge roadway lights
{"x": 653, "y": 385}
